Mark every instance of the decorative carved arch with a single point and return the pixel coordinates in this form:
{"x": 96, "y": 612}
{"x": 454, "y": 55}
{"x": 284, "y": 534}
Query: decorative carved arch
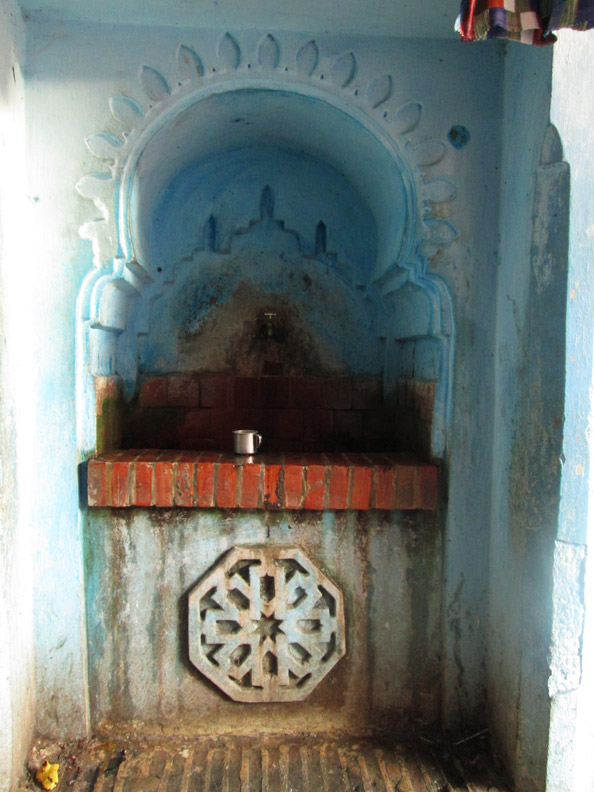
{"x": 120, "y": 276}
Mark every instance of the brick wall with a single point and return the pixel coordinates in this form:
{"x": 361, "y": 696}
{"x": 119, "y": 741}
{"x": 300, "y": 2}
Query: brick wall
{"x": 293, "y": 414}
{"x": 414, "y": 411}
{"x": 108, "y": 405}
{"x": 204, "y": 479}
{"x": 301, "y": 414}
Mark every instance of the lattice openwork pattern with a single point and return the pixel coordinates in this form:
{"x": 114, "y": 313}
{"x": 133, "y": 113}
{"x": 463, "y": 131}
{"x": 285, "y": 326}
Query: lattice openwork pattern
{"x": 266, "y": 624}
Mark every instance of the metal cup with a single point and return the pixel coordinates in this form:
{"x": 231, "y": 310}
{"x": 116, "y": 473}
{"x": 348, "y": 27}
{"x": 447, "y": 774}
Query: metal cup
{"x": 246, "y": 441}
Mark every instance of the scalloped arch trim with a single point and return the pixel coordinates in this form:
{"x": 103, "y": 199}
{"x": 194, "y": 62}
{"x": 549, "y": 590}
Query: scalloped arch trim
{"x": 339, "y": 81}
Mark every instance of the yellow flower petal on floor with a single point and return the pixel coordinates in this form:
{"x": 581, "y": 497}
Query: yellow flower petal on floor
{"x": 47, "y": 775}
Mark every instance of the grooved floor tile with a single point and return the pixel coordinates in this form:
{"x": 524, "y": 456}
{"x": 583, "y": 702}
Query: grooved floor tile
{"x": 277, "y": 764}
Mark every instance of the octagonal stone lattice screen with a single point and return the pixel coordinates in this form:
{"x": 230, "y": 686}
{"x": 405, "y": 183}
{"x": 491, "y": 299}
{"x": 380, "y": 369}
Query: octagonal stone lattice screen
{"x": 266, "y": 624}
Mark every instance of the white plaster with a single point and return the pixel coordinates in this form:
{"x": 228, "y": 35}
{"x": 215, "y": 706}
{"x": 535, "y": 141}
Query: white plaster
{"x": 572, "y": 718}
{"x": 572, "y": 111}
{"x": 41, "y": 354}
{"x": 561, "y": 775}
{"x": 584, "y": 720}
{"x": 568, "y": 617}
{"x": 16, "y": 610}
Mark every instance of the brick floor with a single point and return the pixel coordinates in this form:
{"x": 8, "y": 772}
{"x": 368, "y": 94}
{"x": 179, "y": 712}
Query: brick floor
{"x": 276, "y": 765}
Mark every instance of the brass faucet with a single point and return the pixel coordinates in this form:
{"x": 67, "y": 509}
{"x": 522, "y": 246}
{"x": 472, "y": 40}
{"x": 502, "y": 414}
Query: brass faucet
{"x": 269, "y": 323}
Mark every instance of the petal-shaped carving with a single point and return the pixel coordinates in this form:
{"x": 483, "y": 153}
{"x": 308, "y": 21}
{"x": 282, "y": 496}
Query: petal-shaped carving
{"x": 552, "y": 147}
{"x": 89, "y": 229}
{"x": 344, "y": 69}
{"x": 229, "y": 51}
{"x": 430, "y": 152}
{"x": 153, "y": 83}
{"x": 94, "y": 185}
{"x": 379, "y": 90}
{"x": 440, "y": 232}
{"x": 307, "y": 58}
{"x": 125, "y": 110}
{"x": 439, "y": 190}
{"x": 269, "y": 53}
{"x": 104, "y": 145}
{"x": 189, "y": 63}
{"x": 407, "y": 117}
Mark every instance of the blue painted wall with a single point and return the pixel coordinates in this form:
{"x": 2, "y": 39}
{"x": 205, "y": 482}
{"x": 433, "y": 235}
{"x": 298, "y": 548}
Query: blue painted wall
{"x": 236, "y": 235}
{"x": 487, "y": 199}
{"x": 570, "y": 687}
{"x": 529, "y": 368}
{"x": 76, "y": 109}
{"x": 141, "y": 566}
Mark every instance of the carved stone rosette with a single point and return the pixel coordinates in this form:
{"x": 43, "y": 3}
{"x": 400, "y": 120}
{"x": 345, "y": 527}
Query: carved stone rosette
{"x": 266, "y": 624}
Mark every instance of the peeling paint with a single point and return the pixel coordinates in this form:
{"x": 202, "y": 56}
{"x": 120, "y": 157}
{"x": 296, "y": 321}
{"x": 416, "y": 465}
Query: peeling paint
{"x": 392, "y": 616}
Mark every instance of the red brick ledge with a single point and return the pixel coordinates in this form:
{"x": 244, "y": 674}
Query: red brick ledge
{"x": 204, "y": 480}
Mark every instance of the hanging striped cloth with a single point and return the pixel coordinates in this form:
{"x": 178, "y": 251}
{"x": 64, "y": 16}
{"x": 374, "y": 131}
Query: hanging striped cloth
{"x": 576, "y": 14}
{"x": 528, "y": 21}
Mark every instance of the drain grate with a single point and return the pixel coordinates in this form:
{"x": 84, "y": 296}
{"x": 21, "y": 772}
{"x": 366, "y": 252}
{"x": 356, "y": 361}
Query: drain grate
{"x": 266, "y": 624}
{"x": 269, "y": 765}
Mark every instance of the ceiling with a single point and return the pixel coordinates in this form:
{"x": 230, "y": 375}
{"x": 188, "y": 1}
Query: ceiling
{"x": 400, "y": 18}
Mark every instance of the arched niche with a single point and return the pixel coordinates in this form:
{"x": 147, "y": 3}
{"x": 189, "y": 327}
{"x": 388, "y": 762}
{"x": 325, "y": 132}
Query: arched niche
{"x": 233, "y": 184}
{"x": 309, "y": 128}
